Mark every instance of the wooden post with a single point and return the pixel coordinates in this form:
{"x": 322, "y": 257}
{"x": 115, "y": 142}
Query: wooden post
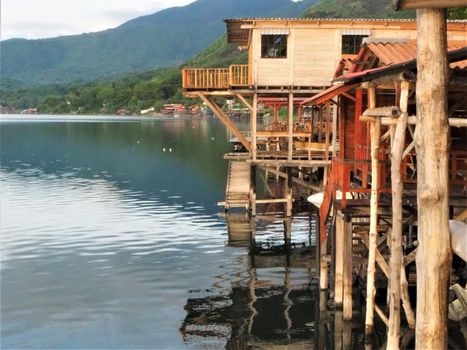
{"x": 253, "y": 118}
{"x": 395, "y": 263}
{"x": 320, "y": 123}
{"x": 339, "y": 260}
{"x": 347, "y": 272}
{"x": 290, "y": 126}
{"x": 370, "y": 287}
{"x": 253, "y": 190}
{"x": 434, "y": 254}
{"x": 327, "y": 139}
{"x": 334, "y": 131}
{"x": 288, "y": 192}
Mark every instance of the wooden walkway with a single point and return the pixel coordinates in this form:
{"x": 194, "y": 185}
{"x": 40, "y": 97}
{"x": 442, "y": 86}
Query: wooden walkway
{"x": 237, "y": 193}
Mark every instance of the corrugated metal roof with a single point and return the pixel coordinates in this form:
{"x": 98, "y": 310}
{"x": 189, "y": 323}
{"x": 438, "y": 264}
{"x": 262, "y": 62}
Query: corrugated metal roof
{"x": 310, "y": 19}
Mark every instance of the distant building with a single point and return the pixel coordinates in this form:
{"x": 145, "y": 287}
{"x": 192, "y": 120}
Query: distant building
{"x": 173, "y": 108}
{"x": 123, "y": 111}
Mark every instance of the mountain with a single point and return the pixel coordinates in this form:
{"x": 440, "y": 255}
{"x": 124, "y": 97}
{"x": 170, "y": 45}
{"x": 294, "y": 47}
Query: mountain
{"x": 166, "y": 38}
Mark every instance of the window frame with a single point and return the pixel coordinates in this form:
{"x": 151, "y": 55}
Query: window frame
{"x": 353, "y": 45}
{"x": 281, "y": 48}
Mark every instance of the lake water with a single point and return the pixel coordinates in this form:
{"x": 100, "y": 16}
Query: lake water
{"x": 111, "y": 238}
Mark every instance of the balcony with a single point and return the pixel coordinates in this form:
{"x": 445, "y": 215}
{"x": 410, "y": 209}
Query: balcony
{"x": 236, "y": 76}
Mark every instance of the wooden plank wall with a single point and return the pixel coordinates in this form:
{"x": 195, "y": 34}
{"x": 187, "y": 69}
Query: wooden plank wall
{"x": 313, "y": 52}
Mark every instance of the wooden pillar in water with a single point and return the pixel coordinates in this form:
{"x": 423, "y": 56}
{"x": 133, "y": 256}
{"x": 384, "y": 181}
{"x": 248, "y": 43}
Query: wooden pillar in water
{"x": 253, "y": 122}
{"x": 253, "y": 189}
{"x": 347, "y": 272}
{"x": 288, "y": 192}
{"x": 290, "y": 127}
{"x": 339, "y": 260}
{"x": 434, "y": 253}
{"x": 370, "y": 287}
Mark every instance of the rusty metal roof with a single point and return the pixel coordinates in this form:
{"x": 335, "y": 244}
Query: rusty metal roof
{"x": 456, "y": 57}
{"x": 392, "y": 53}
{"x": 377, "y": 54}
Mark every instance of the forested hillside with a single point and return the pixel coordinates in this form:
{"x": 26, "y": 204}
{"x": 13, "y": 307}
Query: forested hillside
{"x": 133, "y": 92}
{"x": 164, "y": 39}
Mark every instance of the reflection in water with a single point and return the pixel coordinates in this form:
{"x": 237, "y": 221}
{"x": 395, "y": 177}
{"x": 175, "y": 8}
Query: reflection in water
{"x": 270, "y": 303}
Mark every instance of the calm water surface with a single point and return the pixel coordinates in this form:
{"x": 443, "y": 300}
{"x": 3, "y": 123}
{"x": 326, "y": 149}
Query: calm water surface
{"x": 110, "y": 238}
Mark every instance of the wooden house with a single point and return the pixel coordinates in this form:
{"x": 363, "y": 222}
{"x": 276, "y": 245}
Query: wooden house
{"x": 297, "y": 54}
{"x": 290, "y": 61}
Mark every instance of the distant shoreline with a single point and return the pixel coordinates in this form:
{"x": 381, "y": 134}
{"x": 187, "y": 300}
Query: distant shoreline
{"x": 91, "y": 117}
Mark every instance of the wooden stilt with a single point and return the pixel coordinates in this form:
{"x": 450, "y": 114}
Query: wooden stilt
{"x": 395, "y": 263}
{"x": 434, "y": 254}
{"x": 320, "y": 123}
{"x": 339, "y": 260}
{"x": 370, "y": 288}
{"x": 347, "y": 272}
{"x": 288, "y": 192}
{"x": 290, "y": 127}
{"x": 334, "y": 131}
{"x": 253, "y": 119}
{"x": 253, "y": 190}
{"x": 324, "y": 260}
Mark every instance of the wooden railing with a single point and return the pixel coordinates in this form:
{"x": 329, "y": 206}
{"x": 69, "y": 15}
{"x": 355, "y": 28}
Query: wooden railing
{"x": 216, "y": 78}
{"x": 205, "y": 78}
{"x": 239, "y": 75}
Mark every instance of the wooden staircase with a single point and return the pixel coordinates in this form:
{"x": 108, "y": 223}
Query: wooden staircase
{"x": 237, "y": 193}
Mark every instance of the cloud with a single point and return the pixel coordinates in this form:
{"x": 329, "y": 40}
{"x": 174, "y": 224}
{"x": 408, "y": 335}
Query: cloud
{"x": 49, "y": 18}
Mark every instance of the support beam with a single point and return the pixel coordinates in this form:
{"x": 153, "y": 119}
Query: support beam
{"x": 339, "y": 260}
{"x": 395, "y": 263}
{"x": 253, "y": 190}
{"x": 292, "y": 163}
{"x": 290, "y": 127}
{"x": 412, "y": 120}
{"x": 370, "y": 288}
{"x": 245, "y": 102}
{"x": 348, "y": 270}
{"x": 225, "y": 120}
{"x": 253, "y": 126}
{"x": 434, "y": 255}
{"x": 294, "y": 179}
{"x": 334, "y": 130}
{"x": 288, "y": 193}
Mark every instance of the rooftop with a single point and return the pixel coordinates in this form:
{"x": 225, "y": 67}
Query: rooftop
{"x": 238, "y": 34}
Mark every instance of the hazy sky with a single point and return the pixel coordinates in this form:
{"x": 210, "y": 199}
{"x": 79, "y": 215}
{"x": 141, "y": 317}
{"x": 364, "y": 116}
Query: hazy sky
{"x": 33, "y": 19}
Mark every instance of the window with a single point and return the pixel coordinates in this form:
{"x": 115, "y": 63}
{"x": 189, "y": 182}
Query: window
{"x": 351, "y": 43}
{"x": 274, "y": 46}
